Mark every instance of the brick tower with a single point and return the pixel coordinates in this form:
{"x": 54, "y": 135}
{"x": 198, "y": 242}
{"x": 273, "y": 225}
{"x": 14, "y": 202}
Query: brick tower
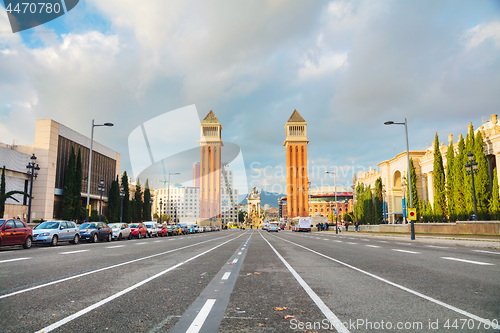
{"x": 296, "y": 166}
{"x": 210, "y": 167}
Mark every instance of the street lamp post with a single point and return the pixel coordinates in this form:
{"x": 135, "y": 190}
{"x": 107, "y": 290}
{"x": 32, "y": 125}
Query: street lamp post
{"x": 168, "y": 193}
{"x": 384, "y": 205}
{"x": 122, "y": 195}
{"x": 90, "y": 163}
{"x": 32, "y": 172}
{"x": 403, "y": 189}
{"x": 335, "y": 189}
{"x": 101, "y": 188}
{"x": 471, "y": 169}
{"x": 151, "y": 208}
{"x": 161, "y": 209}
{"x": 409, "y": 172}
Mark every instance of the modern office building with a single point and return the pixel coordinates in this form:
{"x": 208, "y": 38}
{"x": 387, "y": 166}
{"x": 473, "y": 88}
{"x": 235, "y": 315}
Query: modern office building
{"x": 184, "y": 202}
{"x": 229, "y": 196}
{"x": 52, "y": 148}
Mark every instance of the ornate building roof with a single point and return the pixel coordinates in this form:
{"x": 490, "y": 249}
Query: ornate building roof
{"x": 296, "y": 118}
{"x": 210, "y": 119}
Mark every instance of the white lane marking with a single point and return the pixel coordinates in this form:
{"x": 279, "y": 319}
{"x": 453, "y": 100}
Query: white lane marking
{"x": 201, "y": 317}
{"x": 123, "y": 292}
{"x": 437, "y": 247}
{"x": 235, "y": 261}
{"x": 140, "y": 243}
{"x": 17, "y": 259}
{"x": 416, "y": 293}
{"x": 366, "y": 240}
{"x": 483, "y": 251}
{"x": 406, "y": 251}
{"x": 352, "y": 243}
{"x": 468, "y": 261}
{"x": 372, "y": 245}
{"x": 334, "y": 320}
{"x": 226, "y": 276}
{"x": 157, "y": 241}
{"x": 382, "y": 241}
{"x": 114, "y": 247}
{"x": 71, "y": 252}
{"x": 338, "y": 241}
{"x": 104, "y": 268}
{"x": 240, "y": 253}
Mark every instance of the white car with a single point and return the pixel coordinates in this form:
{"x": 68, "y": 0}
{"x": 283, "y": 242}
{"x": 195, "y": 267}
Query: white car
{"x": 152, "y": 228}
{"x": 120, "y": 231}
{"x": 273, "y": 227}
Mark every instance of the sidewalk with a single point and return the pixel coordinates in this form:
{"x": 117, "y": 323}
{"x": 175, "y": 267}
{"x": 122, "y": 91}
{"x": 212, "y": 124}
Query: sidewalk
{"x": 485, "y": 242}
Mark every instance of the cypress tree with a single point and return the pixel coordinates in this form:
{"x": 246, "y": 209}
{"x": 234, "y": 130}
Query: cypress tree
{"x": 469, "y": 147}
{"x": 378, "y": 201}
{"x": 77, "y": 189}
{"x": 137, "y": 202}
{"x": 414, "y": 192}
{"x": 360, "y": 190}
{"x": 146, "y": 207}
{"x": 494, "y": 204}
{"x": 450, "y": 181}
{"x": 459, "y": 182}
{"x": 69, "y": 186}
{"x": 126, "y": 200}
{"x": 114, "y": 201}
{"x": 368, "y": 205}
{"x": 439, "y": 182}
{"x": 482, "y": 177}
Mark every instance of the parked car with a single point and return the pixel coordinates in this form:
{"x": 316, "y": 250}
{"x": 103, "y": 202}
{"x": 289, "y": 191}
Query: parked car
{"x": 163, "y": 230}
{"x": 152, "y": 228}
{"x": 120, "y": 231}
{"x": 216, "y": 228}
{"x": 53, "y": 232}
{"x": 192, "y": 228}
{"x": 173, "y": 230}
{"x": 273, "y": 227}
{"x": 15, "y": 232}
{"x": 138, "y": 230}
{"x": 95, "y": 231}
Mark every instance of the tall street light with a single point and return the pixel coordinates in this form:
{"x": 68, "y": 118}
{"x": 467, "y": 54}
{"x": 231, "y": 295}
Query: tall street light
{"x": 408, "y": 172}
{"x": 101, "y": 188}
{"x": 403, "y": 189}
{"x": 122, "y": 195}
{"x": 161, "y": 209}
{"x": 151, "y": 208}
{"x": 32, "y": 172}
{"x": 335, "y": 189}
{"x": 90, "y": 163}
{"x": 168, "y": 210}
{"x": 384, "y": 204}
{"x": 471, "y": 169}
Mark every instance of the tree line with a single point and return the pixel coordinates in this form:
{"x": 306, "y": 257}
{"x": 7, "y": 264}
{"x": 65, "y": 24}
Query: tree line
{"x": 453, "y": 196}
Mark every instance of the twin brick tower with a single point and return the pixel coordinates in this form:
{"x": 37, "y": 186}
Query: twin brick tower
{"x": 296, "y": 166}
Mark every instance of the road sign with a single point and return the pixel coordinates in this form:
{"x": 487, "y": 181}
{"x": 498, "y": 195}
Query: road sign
{"x": 412, "y": 214}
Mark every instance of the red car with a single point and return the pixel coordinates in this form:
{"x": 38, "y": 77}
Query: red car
{"x": 138, "y": 230}
{"x": 15, "y": 232}
{"x": 162, "y": 231}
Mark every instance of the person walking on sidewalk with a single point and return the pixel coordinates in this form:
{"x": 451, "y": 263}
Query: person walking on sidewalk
{"x": 346, "y": 226}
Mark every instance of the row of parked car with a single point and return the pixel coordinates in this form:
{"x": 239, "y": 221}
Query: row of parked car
{"x": 16, "y": 232}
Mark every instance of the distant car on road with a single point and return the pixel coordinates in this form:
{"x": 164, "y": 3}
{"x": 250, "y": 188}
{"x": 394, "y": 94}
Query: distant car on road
{"x": 173, "y": 230}
{"x": 120, "y": 231}
{"x": 15, "y": 232}
{"x": 53, "y": 232}
{"x": 273, "y": 227}
{"x": 138, "y": 230}
{"x": 162, "y": 230}
{"x": 95, "y": 231}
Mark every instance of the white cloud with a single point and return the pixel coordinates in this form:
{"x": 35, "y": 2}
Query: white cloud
{"x": 477, "y": 35}
{"x": 324, "y": 66}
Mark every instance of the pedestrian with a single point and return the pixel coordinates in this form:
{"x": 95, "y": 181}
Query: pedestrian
{"x": 356, "y": 226}
{"x": 346, "y": 226}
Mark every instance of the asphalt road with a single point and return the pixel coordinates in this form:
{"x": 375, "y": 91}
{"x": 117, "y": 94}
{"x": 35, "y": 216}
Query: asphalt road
{"x": 250, "y": 281}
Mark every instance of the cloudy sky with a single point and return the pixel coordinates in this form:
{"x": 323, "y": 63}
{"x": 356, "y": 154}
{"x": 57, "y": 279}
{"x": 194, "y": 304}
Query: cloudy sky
{"x": 346, "y": 66}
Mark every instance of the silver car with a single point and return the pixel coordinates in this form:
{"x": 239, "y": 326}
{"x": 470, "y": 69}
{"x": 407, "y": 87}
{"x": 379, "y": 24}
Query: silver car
{"x": 152, "y": 228}
{"x": 53, "y": 232}
{"x": 120, "y": 231}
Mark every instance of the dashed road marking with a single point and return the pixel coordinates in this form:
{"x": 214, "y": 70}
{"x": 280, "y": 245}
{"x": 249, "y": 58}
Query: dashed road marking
{"x": 201, "y": 317}
{"x": 372, "y": 245}
{"x": 114, "y": 247}
{"x": 406, "y": 251}
{"x": 71, "y": 252}
{"x": 17, "y": 259}
{"x": 226, "y": 276}
{"x": 483, "y": 251}
{"x": 468, "y": 261}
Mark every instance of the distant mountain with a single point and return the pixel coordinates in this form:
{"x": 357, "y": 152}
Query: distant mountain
{"x": 268, "y": 198}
